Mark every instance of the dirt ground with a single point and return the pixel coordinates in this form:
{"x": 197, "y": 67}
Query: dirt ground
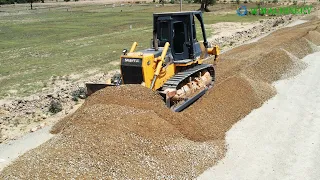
{"x": 97, "y": 2}
{"x": 127, "y": 132}
{"x": 24, "y": 114}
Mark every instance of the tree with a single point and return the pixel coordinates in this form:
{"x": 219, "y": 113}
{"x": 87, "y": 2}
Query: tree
{"x": 33, "y": 1}
{"x": 205, "y": 4}
{"x": 30, "y": 1}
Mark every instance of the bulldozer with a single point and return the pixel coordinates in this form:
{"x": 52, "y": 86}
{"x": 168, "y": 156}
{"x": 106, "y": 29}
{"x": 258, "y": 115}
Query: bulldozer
{"x": 173, "y": 65}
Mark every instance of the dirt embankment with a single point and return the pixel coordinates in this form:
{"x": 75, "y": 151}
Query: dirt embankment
{"x": 230, "y": 34}
{"x": 62, "y": 96}
{"x": 127, "y": 132}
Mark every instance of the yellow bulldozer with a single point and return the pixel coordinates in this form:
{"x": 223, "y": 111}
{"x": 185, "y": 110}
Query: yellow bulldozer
{"x": 173, "y": 66}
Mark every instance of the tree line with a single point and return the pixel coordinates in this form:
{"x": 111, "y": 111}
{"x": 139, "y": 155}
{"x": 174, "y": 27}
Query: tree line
{"x": 203, "y": 7}
{"x": 18, "y": 1}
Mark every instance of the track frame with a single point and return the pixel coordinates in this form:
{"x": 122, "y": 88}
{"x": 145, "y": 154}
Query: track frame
{"x": 179, "y": 78}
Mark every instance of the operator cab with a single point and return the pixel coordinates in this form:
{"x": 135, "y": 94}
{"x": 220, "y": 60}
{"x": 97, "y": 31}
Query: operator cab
{"x": 178, "y": 28}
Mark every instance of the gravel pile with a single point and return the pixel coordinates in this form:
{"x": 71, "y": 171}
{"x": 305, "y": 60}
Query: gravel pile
{"x": 127, "y": 132}
{"x": 121, "y": 132}
{"x": 245, "y": 75}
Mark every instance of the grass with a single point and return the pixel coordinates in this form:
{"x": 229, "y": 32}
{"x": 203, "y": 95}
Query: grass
{"x": 63, "y": 39}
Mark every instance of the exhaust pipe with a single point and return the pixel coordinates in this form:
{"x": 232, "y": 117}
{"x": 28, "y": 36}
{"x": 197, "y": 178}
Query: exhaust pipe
{"x": 155, "y": 41}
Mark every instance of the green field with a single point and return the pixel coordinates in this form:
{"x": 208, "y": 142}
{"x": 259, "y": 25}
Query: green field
{"x": 59, "y": 40}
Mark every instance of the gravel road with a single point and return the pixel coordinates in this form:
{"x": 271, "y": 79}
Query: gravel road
{"x": 280, "y": 140}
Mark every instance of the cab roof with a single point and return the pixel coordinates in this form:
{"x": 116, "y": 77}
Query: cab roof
{"x": 178, "y": 13}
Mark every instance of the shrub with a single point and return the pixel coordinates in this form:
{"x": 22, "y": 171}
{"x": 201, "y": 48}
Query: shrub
{"x": 79, "y": 93}
{"x": 212, "y": 2}
{"x": 9, "y": 2}
{"x": 55, "y": 107}
{"x": 275, "y": 1}
{"x": 295, "y": 2}
{"x": 245, "y": 1}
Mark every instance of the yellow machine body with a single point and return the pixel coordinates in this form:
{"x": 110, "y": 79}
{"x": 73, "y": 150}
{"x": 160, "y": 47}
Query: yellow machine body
{"x": 174, "y": 64}
{"x": 150, "y": 63}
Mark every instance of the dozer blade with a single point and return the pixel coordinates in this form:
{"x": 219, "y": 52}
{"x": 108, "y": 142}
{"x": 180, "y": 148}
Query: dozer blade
{"x": 92, "y": 88}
